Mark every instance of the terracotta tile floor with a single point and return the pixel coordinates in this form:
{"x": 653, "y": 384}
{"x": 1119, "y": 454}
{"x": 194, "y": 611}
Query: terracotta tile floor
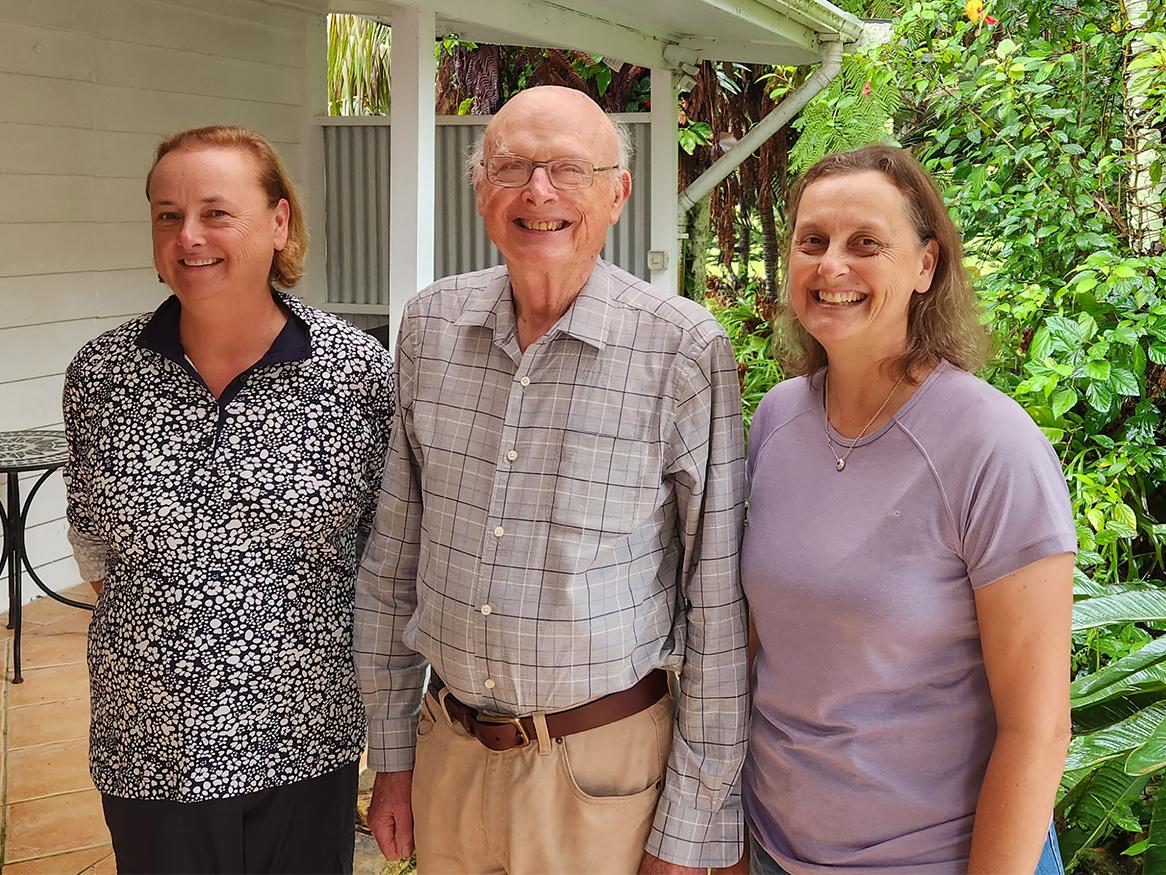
{"x": 50, "y": 814}
{"x": 51, "y": 822}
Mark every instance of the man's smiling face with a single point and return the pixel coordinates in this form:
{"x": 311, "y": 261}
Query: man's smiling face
{"x": 538, "y": 227}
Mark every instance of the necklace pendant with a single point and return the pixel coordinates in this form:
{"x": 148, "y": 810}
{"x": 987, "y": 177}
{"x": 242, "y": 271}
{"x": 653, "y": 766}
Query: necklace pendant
{"x": 840, "y": 464}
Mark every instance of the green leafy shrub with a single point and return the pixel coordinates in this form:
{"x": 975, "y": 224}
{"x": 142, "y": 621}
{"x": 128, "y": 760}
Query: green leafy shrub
{"x": 1038, "y": 121}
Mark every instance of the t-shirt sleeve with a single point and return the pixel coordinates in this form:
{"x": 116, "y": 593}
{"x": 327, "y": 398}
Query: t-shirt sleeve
{"x": 1016, "y": 507}
{"x": 759, "y": 430}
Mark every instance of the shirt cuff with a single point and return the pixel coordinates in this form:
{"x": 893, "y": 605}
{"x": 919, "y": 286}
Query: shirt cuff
{"x": 392, "y": 745}
{"x": 688, "y": 837}
{"x": 90, "y": 554}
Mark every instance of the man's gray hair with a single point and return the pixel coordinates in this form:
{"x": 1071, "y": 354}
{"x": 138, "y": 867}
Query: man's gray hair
{"x": 626, "y": 150}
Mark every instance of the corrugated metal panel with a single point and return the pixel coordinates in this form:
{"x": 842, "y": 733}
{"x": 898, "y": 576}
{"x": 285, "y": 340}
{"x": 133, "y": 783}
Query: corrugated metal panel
{"x": 627, "y": 240}
{"x": 460, "y": 243}
{"x": 356, "y": 161}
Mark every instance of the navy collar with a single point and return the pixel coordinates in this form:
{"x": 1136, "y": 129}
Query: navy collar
{"x": 292, "y": 344}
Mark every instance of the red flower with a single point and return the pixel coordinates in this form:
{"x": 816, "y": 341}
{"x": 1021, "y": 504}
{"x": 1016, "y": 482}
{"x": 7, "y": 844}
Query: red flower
{"x": 866, "y": 88}
{"x": 989, "y": 20}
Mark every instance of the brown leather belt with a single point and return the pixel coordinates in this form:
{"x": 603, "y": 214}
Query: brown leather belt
{"x": 504, "y": 733}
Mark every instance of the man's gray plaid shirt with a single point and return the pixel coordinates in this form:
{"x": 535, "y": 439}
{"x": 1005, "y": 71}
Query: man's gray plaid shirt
{"x": 556, "y": 523}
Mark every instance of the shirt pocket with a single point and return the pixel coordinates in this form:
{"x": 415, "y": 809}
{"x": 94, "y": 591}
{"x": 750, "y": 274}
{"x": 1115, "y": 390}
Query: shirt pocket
{"x": 605, "y": 485}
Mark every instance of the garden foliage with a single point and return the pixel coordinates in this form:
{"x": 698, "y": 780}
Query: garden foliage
{"x": 1026, "y": 114}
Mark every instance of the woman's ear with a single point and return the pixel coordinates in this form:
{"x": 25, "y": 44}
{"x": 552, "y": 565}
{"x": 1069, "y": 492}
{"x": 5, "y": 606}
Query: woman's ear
{"x": 281, "y": 230}
{"x": 928, "y": 260}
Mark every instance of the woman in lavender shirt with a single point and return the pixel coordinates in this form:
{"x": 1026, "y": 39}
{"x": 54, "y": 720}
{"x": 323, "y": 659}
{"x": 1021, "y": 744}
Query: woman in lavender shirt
{"x": 908, "y": 560}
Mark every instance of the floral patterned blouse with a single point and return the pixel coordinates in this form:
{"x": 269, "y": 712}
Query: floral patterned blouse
{"x": 227, "y": 532}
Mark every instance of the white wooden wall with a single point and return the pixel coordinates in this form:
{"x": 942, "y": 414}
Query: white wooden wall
{"x": 87, "y": 88}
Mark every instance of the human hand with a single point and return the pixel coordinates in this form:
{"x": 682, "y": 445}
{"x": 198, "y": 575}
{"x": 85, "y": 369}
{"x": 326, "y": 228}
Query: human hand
{"x": 390, "y": 814}
{"x": 650, "y": 865}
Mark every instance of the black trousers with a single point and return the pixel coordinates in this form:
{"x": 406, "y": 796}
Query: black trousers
{"x": 306, "y": 828}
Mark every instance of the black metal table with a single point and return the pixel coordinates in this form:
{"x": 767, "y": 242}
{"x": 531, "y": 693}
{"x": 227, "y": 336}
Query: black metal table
{"x": 22, "y": 452}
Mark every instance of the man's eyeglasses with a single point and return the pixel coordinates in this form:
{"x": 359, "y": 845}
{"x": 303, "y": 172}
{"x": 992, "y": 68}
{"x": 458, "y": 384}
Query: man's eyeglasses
{"x": 565, "y": 174}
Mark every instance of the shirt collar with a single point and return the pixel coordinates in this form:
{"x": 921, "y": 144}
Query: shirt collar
{"x": 492, "y": 306}
{"x": 293, "y": 343}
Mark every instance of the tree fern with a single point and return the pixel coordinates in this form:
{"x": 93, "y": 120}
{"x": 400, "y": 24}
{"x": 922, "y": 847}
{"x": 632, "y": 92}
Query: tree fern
{"x": 853, "y": 110}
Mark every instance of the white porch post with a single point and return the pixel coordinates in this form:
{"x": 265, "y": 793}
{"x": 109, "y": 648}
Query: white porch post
{"x": 664, "y": 250}
{"x": 314, "y": 286}
{"x": 411, "y": 193}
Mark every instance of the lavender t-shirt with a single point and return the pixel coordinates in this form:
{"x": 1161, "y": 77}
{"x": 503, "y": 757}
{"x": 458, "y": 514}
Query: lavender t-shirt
{"x": 872, "y": 721}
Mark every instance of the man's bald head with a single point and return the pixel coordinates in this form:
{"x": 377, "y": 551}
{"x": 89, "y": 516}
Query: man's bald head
{"x": 608, "y": 141}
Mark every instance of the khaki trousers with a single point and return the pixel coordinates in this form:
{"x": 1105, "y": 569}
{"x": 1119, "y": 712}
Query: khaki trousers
{"x": 583, "y": 803}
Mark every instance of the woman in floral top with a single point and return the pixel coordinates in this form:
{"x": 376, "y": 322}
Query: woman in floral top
{"x": 225, "y": 454}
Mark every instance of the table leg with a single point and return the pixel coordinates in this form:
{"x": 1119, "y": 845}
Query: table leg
{"x": 6, "y": 523}
{"x": 16, "y": 552}
{"x": 22, "y": 524}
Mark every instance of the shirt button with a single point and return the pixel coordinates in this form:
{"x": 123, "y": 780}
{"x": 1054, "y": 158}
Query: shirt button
{"x": 486, "y": 610}
{"x": 512, "y": 455}
{"x": 525, "y": 381}
{"x": 489, "y": 685}
{"x": 499, "y": 531}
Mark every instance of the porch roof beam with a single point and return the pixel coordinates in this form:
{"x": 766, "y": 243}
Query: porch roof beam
{"x": 769, "y": 23}
{"x": 533, "y": 23}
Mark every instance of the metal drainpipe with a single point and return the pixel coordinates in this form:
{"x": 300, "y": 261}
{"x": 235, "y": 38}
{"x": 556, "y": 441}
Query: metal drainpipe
{"x": 760, "y": 132}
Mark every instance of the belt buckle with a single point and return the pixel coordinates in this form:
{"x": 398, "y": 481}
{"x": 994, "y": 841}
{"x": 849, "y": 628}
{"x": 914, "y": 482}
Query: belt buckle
{"x": 502, "y": 720}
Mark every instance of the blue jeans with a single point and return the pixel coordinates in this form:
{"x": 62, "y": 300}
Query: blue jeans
{"x": 760, "y": 863}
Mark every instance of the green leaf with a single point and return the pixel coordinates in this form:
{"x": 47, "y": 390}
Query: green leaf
{"x": 1090, "y": 557}
{"x": 1005, "y": 47}
{"x": 1124, "y": 818}
{"x": 1096, "y": 518}
{"x": 1157, "y": 352}
{"x": 1063, "y": 401}
{"x": 1124, "y": 382}
{"x": 1088, "y": 325}
{"x": 1101, "y": 800}
{"x": 1122, "y": 521}
{"x": 1144, "y": 670}
{"x": 1126, "y": 334}
{"x": 1065, "y": 330}
{"x": 1125, "y": 607}
{"x": 603, "y": 79}
{"x": 1150, "y": 757}
{"x": 1086, "y": 282}
{"x": 1086, "y": 751}
{"x": 1136, "y": 848}
{"x": 1099, "y": 396}
{"x": 1083, "y": 585}
{"x": 1155, "y": 860}
{"x": 1098, "y": 369}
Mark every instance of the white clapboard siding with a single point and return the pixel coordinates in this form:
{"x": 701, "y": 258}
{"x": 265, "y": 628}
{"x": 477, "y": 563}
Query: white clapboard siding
{"x": 87, "y": 88}
{"x": 31, "y": 403}
{"x": 52, "y": 492}
{"x": 119, "y": 294}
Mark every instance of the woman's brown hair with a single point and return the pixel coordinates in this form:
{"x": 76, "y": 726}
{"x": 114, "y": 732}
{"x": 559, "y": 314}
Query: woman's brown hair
{"x": 287, "y": 265}
{"x": 942, "y": 323}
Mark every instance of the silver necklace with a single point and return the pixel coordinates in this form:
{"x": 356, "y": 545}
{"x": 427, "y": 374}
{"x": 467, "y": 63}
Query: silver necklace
{"x": 840, "y": 461}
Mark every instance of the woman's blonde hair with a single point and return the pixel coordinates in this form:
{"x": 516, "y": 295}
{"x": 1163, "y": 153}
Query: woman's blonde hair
{"x": 287, "y": 265}
{"x": 944, "y": 322}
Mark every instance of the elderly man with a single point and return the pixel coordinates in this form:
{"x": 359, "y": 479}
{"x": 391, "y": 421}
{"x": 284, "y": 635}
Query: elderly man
{"x": 558, "y": 528}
